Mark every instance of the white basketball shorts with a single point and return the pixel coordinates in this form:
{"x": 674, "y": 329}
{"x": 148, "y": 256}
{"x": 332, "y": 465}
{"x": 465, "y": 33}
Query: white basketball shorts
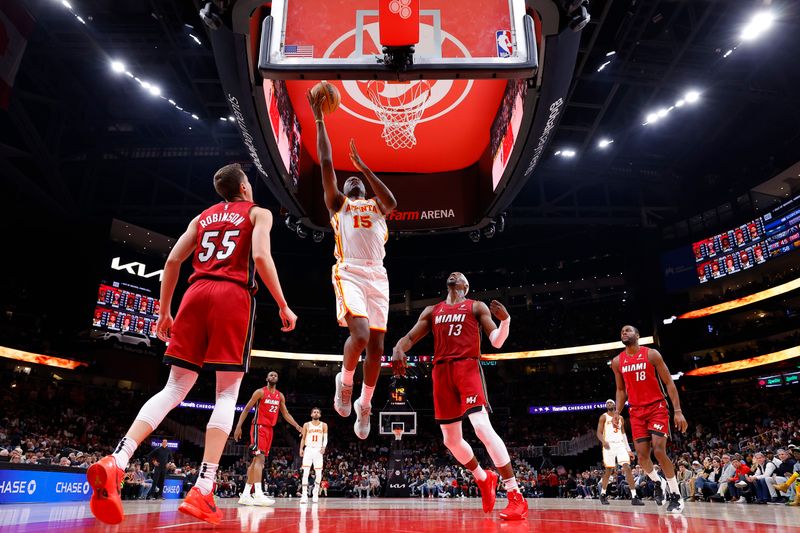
{"x": 312, "y": 457}
{"x": 362, "y": 289}
{"x": 617, "y": 454}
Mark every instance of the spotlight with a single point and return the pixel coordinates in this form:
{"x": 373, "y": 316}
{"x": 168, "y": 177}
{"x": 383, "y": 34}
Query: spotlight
{"x": 662, "y": 112}
{"x": 760, "y": 23}
{"x": 605, "y": 142}
{"x": 567, "y": 153}
{"x": 317, "y": 235}
{"x": 302, "y": 232}
{"x": 291, "y": 223}
{"x": 489, "y": 230}
{"x": 692, "y": 96}
{"x": 231, "y": 118}
{"x": 195, "y": 117}
{"x": 680, "y": 103}
{"x": 154, "y": 90}
{"x": 475, "y": 235}
{"x": 651, "y": 117}
{"x": 118, "y": 66}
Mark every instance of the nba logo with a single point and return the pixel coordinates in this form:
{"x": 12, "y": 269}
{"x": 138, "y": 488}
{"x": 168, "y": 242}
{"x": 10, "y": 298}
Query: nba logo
{"x": 505, "y": 46}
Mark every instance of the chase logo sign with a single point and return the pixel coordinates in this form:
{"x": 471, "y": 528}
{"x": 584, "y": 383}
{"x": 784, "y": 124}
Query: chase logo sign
{"x": 17, "y": 487}
{"x": 32, "y": 486}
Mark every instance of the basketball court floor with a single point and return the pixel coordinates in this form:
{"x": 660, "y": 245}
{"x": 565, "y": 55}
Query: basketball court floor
{"x": 383, "y": 515}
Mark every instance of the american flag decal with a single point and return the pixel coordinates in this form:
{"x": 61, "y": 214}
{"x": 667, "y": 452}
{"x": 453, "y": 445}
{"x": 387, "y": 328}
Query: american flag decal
{"x": 298, "y": 50}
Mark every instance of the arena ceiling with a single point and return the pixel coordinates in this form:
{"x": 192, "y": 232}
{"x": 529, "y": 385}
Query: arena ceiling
{"x": 78, "y": 140}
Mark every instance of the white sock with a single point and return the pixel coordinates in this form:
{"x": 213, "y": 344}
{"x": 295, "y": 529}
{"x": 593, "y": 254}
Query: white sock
{"x": 672, "y": 483}
{"x": 124, "y": 451}
{"x": 247, "y": 488}
{"x": 366, "y": 394}
{"x": 479, "y": 473}
{"x": 602, "y": 491}
{"x": 206, "y": 478}
{"x": 633, "y": 493}
{"x": 258, "y": 489}
{"x": 652, "y": 475}
{"x": 347, "y": 377}
{"x": 510, "y": 484}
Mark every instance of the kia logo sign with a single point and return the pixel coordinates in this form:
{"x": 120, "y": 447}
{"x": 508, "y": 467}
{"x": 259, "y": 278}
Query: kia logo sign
{"x": 31, "y": 486}
{"x": 135, "y": 268}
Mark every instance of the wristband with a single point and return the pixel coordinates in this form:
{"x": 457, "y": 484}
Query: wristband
{"x": 320, "y": 121}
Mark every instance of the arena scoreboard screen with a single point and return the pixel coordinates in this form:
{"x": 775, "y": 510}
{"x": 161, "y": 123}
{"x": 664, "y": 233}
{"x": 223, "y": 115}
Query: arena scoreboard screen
{"x": 739, "y": 248}
{"x": 127, "y": 297}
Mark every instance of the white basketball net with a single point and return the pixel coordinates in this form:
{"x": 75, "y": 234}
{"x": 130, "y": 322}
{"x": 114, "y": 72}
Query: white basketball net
{"x": 399, "y": 106}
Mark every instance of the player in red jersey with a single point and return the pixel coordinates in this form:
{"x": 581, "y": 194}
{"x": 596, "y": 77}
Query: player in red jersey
{"x": 268, "y": 401}
{"x": 458, "y": 387}
{"x": 227, "y": 242}
{"x": 641, "y": 373}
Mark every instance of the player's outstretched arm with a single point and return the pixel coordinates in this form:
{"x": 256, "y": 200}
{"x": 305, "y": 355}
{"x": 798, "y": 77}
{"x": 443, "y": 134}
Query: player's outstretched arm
{"x": 303, "y": 438}
{"x": 385, "y": 198}
{"x": 420, "y": 329}
{"x": 172, "y": 270}
{"x": 257, "y": 395}
{"x": 497, "y": 335}
{"x": 622, "y": 394}
{"x": 262, "y": 256}
{"x": 666, "y": 378}
{"x": 286, "y": 416}
{"x": 333, "y": 196}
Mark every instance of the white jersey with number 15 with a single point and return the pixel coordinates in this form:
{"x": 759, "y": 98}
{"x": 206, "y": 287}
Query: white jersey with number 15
{"x": 360, "y": 231}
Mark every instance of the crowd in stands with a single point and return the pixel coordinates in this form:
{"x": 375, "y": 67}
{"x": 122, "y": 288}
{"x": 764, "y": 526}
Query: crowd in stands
{"x": 741, "y": 454}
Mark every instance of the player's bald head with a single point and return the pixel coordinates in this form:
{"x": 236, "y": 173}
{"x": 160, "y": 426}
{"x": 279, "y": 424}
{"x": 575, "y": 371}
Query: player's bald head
{"x": 457, "y": 280}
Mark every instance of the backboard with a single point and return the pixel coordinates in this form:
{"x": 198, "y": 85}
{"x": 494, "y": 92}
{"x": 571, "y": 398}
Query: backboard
{"x": 390, "y": 419}
{"x": 319, "y": 39}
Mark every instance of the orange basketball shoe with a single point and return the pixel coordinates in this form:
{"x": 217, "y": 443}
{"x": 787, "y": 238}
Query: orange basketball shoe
{"x": 488, "y": 489}
{"x": 105, "y": 478}
{"x": 202, "y": 507}
{"x": 517, "y": 508}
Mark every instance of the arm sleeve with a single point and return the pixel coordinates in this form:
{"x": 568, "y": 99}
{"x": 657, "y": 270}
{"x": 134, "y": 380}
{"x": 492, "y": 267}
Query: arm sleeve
{"x": 499, "y": 336}
{"x": 627, "y": 445}
{"x": 325, "y": 440}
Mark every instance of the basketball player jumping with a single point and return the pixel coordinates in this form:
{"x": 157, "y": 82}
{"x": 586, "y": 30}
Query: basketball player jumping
{"x": 640, "y": 374}
{"x": 214, "y": 328}
{"x": 616, "y": 450}
{"x": 359, "y": 278}
{"x": 458, "y": 387}
{"x": 268, "y": 401}
{"x": 312, "y": 448}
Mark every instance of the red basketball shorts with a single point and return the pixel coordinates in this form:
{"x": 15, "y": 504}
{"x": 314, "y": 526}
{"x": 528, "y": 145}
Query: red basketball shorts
{"x": 260, "y": 439}
{"x": 458, "y": 389}
{"x": 647, "y": 420}
{"x": 213, "y": 328}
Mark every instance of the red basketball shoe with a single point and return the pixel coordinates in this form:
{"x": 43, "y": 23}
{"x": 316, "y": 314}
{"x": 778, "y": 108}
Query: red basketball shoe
{"x": 517, "y": 508}
{"x": 202, "y": 507}
{"x": 105, "y": 478}
{"x": 488, "y": 488}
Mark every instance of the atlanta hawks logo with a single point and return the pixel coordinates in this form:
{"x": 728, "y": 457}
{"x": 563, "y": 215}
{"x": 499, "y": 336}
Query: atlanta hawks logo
{"x": 442, "y": 95}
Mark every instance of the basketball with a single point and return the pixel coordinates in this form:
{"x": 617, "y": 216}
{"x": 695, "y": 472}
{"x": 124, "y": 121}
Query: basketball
{"x": 329, "y": 95}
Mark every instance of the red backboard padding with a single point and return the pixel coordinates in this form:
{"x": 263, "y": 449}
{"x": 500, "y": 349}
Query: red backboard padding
{"x": 399, "y": 22}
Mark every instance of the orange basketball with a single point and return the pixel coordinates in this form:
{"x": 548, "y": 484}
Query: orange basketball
{"x": 327, "y": 95}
